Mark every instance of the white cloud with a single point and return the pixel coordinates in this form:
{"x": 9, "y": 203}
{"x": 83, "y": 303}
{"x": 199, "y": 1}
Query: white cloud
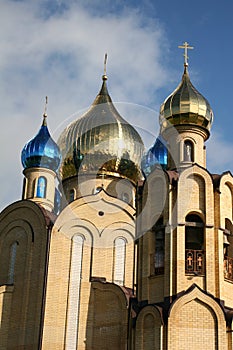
{"x": 219, "y": 153}
{"x": 55, "y": 49}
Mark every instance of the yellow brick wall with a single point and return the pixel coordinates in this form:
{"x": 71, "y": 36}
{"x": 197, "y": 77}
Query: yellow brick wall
{"x": 196, "y": 321}
{"x": 99, "y": 232}
{"x": 194, "y": 327}
{"x": 22, "y": 302}
{"x": 148, "y": 331}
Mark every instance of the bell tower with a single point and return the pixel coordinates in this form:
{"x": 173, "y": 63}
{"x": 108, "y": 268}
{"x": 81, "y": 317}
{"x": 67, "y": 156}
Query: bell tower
{"x": 179, "y": 246}
{"x": 185, "y": 120}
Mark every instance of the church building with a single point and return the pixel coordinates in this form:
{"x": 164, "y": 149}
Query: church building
{"x": 115, "y": 247}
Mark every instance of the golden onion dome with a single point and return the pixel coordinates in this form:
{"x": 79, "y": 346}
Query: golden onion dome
{"x": 101, "y": 142}
{"x": 186, "y": 106}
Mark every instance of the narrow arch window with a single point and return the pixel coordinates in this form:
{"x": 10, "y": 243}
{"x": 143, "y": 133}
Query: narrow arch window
{"x": 119, "y": 260}
{"x": 227, "y": 238}
{"x": 159, "y": 251}
{"x": 228, "y": 250}
{"x": 71, "y": 195}
{"x": 194, "y": 245}
{"x": 75, "y": 278}
{"x": 188, "y": 151}
{"x": 11, "y": 270}
{"x": 157, "y": 258}
{"x": 41, "y": 187}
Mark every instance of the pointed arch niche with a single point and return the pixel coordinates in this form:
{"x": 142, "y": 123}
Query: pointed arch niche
{"x": 196, "y": 321}
{"x": 149, "y": 327}
{"x": 119, "y": 260}
{"x": 74, "y": 291}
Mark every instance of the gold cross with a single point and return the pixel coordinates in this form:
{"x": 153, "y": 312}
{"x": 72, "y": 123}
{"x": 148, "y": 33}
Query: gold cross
{"x": 186, "y": 47}
{"x": 190, "y": 260}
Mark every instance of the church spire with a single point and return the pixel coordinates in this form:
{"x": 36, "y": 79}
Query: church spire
{"x": 103, "y": 96}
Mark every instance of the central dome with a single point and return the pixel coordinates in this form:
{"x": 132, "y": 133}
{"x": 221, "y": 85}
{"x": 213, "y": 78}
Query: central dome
{"x": 101, "y": 142}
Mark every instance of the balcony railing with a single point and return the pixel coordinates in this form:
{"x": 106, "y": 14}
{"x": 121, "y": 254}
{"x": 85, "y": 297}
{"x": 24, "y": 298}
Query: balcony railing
{"x": 194, "y": 262}
{"x": 228, "y": 268}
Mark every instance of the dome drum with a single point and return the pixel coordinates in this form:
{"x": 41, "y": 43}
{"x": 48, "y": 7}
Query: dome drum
{"x": 185, "y": 119}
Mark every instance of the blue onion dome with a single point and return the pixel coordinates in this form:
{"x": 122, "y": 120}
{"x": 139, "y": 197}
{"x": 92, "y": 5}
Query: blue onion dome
{"x": 186, "y": 106}
{"x": 41, "y": 151}
{"x": 155, "y": 156}
{"x": 101, "y": 142}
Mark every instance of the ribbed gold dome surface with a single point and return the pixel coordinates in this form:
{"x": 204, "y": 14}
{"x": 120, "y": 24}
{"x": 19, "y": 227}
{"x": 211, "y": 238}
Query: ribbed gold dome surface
{"x": 101, "y": 142}
{"x": 186, "y": 106}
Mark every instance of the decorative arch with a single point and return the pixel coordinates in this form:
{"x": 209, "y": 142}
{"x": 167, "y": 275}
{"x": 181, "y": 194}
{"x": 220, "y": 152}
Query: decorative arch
{"x": 156, "y": 186}
{"x": 149, "y": 325}
{"x": 17, "y": 236}
{"x": 107, "y": 317}
{"x": 196, "y": 320}
{"x": 73, "y": 226}
{"x": 226, "y": 196}
{"x": 198, "y": 183}
{"x": 23, "y": 239}
{"x": 118, "y": 229}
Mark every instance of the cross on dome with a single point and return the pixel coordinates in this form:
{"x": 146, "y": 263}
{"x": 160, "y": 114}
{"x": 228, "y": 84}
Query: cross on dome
{"x": 45, "y": 111}
{"x": 105, "y": 67}
{"x": 186, "y": 47}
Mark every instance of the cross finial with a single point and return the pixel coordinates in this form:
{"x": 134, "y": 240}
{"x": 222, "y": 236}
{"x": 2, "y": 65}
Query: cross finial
{"x": 45, "y": 111}
{"x": 186, "y": 47}
{"x": 105, "y": 64}
{"x": 105, "y": 67}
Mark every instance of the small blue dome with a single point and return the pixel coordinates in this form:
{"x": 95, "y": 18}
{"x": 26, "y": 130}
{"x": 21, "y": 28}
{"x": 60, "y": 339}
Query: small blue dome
{"x": 156, "y": 155}
{"x": 41, "y": 151}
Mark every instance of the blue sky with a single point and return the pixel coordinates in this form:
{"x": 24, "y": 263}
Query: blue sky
{"x": 57, "y": 47}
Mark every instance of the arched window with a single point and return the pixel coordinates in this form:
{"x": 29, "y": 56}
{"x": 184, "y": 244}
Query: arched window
{"x": 11, "y": 270}
{"x": 194, "y": 244}
{"x": 41, "y": 187}
{"x": 228, "y": 250}
{"x": 157, "y": 258}
{"x": 74, "y": 291}
{"x": 188, "y": 151}
{"x": 119, "y": 260}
